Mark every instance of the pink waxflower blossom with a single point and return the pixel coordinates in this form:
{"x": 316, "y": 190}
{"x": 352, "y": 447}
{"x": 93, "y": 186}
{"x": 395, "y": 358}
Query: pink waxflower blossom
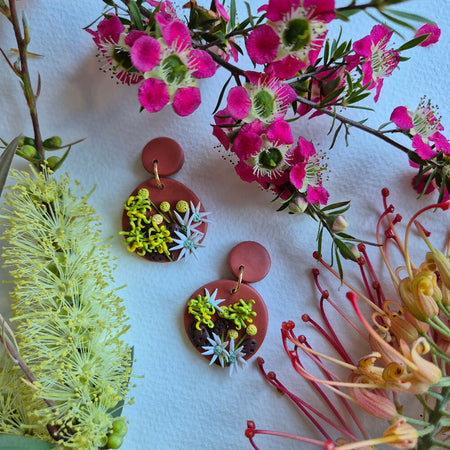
{"x": 425, "y": 128}
{"x": 434, "y": 34}
{"x": 167, "y": 10}
{"x": 379, "y": 62}
{"x": 292, "y": 37}
{"x": 221, "y": 11}
{"x": 263, "y": 98}
{"x": 174, "y": 64}
{"x": 111, "y": 40}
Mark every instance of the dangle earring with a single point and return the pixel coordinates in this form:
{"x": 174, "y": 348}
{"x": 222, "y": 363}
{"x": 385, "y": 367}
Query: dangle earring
{"x": 162, "y": 219}
{"x": 226, "y": 320}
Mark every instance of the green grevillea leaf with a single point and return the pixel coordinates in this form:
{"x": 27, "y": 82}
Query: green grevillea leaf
{"x": 10, "y": 442}
{"x": 6, "y": 160}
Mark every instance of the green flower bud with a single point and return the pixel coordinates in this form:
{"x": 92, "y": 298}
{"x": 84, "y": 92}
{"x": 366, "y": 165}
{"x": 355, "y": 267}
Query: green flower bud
{"x": 119, "y": 427}
{"x": 340, "y": 224}
{"x": 53, "y": 161}
{"x": 53, "y": 142}
{"x": 28, "y": 151}
{"x": 298, "y": 205}
{"x": 114, "y": 441}
{"x": 28, "y": 141}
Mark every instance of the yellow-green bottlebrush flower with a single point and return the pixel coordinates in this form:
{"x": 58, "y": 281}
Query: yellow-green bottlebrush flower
{"x": 68, "y": 322}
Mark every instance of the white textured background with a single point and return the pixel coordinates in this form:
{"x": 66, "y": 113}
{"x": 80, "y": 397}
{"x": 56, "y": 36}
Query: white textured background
{"x": 181, "y": 403}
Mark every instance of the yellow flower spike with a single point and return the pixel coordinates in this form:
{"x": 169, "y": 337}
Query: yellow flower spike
{"x": 401, "y": 435}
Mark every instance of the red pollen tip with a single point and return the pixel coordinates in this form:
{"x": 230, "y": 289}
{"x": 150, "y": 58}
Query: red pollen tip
{"x": 425, "y": 231}
{"x": 302, "y": 339}
{"x": 315, "y": 271}
{"x": 316, "y": 255}
{"x": 250, "y": 424}
{"x": 352, "y": 297}
{"x": 361, "y": 261}
{"x": 249, "y": 433}
{"x": 390, "y": 209}
{"x": 445, "y": 206}
{"x": 328, "y": 445}
{"x": 398, "y": 218}
{"x": 325, "y": 294}
{"x": 272, "y": 375}
{"x": 260, "y": 360}
{"x": 389, "y": 233}
{"x": 361, "y": 247}
{"x": 305, "y": 318}
{"x": 385, "y": 192}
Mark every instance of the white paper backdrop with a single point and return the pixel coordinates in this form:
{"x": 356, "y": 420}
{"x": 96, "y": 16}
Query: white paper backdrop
{"x": 181, "y": 403}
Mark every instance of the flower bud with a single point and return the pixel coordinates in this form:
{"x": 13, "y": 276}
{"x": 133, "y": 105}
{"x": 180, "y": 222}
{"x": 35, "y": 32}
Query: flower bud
{"x": 298, "y": 205}
{"x": 52, "y": 143}
{"x": 53, "y": 162}
{"x": 403, "y": 329}
{"x": 404, "y": 434}
{"x": 374, "y": 401}
{"x": 442, "y": 264}
{"x": 417, "y": 295}
{"x": 28, "y": 150}
{"x": 340, "y": 224}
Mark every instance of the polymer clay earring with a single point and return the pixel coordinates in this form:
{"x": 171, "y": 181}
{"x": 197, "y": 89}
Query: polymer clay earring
{"x": 226, "y": 320}
{"x": 163, "y": 220}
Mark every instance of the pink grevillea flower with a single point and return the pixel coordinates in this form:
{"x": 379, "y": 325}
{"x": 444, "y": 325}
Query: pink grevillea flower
{"x": 379, "y": 62}
{"x": 425, "y": 127}
{"x": 292, "y": 37}
{"x": 306, "y": 173}
{"x": 263, "y": 152}
{"x": 434, "y": 34}
{"x": 170, "y": 66}
{"x": 111, "y": 40}
{"x": 263, "y": 98}
{"x": 391, "y": 358}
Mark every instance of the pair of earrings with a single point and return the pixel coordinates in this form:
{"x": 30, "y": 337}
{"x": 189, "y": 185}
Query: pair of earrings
{"x": 225, "y": 320}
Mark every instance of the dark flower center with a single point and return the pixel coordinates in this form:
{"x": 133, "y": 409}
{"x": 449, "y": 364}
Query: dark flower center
{"x": 270, "y": 158}
{"x": 297, "y": 34}
{"x": 263, "y": 104}
{"x": 122, "y": 58}
{"x": 174, "y": 69}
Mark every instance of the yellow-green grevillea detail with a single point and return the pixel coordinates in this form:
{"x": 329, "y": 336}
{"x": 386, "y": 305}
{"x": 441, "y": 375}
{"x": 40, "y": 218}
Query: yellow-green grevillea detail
{"x": 69, "y": 323}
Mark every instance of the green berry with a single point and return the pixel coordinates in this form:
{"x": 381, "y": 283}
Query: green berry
{"x": 119, "y": 427}
{"x": 53, "y": 142}
{"x": 114, "y": 441}
{"x": 53, "y": 161}
{"x": 28, "y": 141}
{"x": 28, "y": 150}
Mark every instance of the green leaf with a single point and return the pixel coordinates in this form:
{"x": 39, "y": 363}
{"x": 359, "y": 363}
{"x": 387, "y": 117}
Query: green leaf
{"x": 338, "y": 205}
{"x": 249, "y": 13}
{"x": 10, "y": 442}
{"x": 232, "y": 14}
{"x": 6, "y": 160}
{"x": 398, "y": 21}
{"x": 135, "y": 15}
{"x": 409, "y": 16}
{"x": 222, "y": 92}
{"x": 413, "y": 42}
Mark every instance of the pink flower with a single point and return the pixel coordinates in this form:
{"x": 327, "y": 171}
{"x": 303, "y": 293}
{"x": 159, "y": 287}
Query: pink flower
{"x": 263, "y": 98}
{"x": 111, "y": 40}
{"x": 434, "y": 33}
{"x": 173, "y": 65}
{"x": 262, "y": 152}
{"x": 292, "y": 37}
{"x": 379, "y": 63}
{"x": 306, "y": 173}
{"x": 424, "y": 126}
{"x": 167, "y": 10}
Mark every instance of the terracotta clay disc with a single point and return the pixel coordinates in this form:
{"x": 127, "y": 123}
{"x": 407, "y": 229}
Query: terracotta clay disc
{"x": 225, "y": 292}
{"x": 172, "y": 192}
{"x": 166, "y": 152}
{"x": 254, "y": 258}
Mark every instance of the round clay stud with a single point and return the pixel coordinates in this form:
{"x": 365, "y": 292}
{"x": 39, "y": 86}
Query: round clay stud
{"x": 220, "y": 325}
{"x": 166, "y": 152}
{"x": 254, "y": 258}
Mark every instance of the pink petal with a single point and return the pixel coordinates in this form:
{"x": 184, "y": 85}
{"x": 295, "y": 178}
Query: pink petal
{"x": 305, "y": 148}
{"x": 221, "y": 136}
{"x": 380, "y": 32}
{"x": 316, "y": 195}
{"x": 379, "y": 82}
{"x": 279, "y": 132}
{"x": 223, "y": 117}
{"x": 422, "y": 149}
{"x": 285, "y": 68}
{"x": 255, "y": 126}
{"x": 421, "y": 185}
{"x": 153, "y": 95}
{"x": 246, "y": 145}
{"x": 133, "y": 36}
{"x": 238, "y": 102}
{"x": 110, "y": 29}
{"x": 367, "y": 71}
{"x": 186, "y": 100}
{"x": 221, "y": 11}
{"x": 441, "y": 143}
{"x": 202, "y": 64}
{"x": 297, "y": 175}
{"x": 145, "y": 53}
{"x": 177, "y": 35}
{"x": 245, "y": 172}
{"x": 434, "y": 33}
{"x": 262, "y": 45}
{"x": 277, "y": 9}
{"x": 322, "y": 10}
{"x": 363, "y": 47}
{"x": 401, "y": 118}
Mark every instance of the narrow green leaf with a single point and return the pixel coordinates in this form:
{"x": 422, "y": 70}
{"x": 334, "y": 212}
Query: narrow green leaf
{"x": 232, "y": 14}
{"x": 331, "y": 96}
{"x": 6, "y": 160}
{"x": 336, "y": 206}
{"x": 222, "y": 92}
{"x": 409, "y": 16}
{"x": 397, "y": 21}
{"x": 413, "y": 42}
{"x": 249, "y": 13}
{"x": 135, "y": 15}
{"x": 10, "y": 442}
{"x": 58, "y": 165}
